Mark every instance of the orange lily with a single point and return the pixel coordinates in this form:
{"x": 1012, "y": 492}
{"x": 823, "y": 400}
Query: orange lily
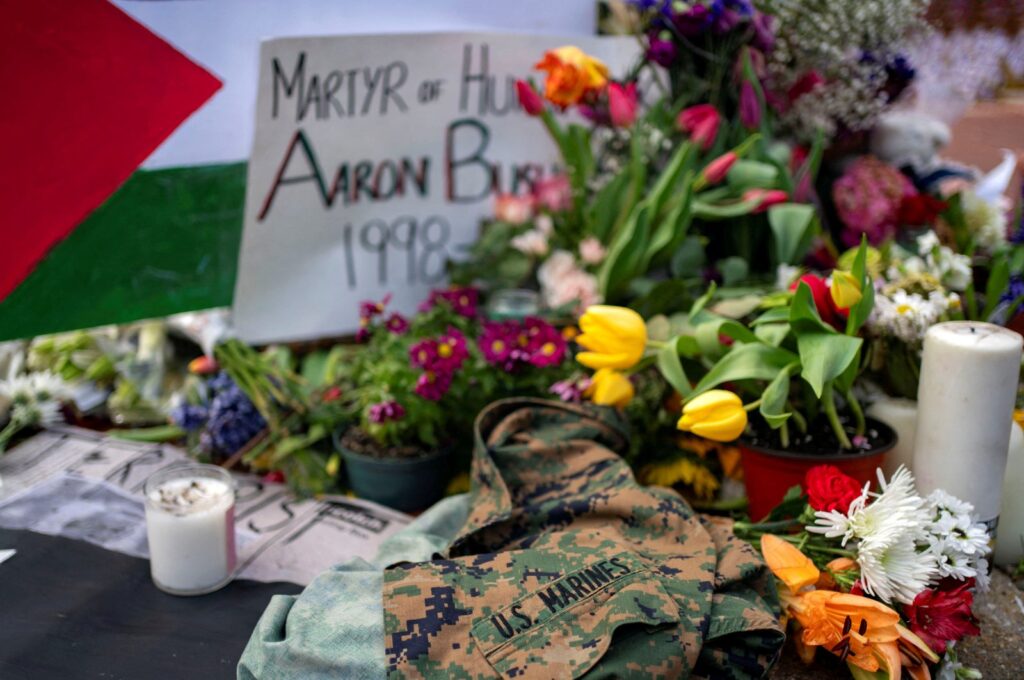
{"x": 855, "y": 628}
{"x": 790, "y": 565}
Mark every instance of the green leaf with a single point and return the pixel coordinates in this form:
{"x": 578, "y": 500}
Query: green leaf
{"x": 708, "y": 334}
{"x": 775, "y": 396}
{"x": 825, "y": 354}
{"x": 773, "y": 315}
{"x": 669, "y": 177}
{"x": 723, "y": 211}
{"x": 702, "y": 301}
{"x": 604, "y": 208}
{"x": 790, "y": 223}
{"x": 998, "y": 281}
{"x": 792, "y": 505}
{"x": 672, "y": 368}
{"x": 772, "y": 333}
{"x": 670, "y": 232}
{"x": 626, "y": 253}
{"x": 748, "y": 361}
{"x": 747, "y": 174}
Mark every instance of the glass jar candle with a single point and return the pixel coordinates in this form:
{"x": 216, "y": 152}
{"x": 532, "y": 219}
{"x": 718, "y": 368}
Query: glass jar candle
{"x": 190, "y": 522}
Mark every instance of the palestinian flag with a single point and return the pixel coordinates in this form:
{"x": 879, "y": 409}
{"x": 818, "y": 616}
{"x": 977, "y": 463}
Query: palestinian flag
{"x": 88, "y": 236}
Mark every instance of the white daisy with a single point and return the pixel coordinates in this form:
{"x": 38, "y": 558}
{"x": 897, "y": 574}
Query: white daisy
{"x": 958, "y": 543}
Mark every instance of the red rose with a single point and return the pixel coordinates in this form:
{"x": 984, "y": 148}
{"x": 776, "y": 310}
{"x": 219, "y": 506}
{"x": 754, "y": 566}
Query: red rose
{"x": 829, "y": 489}
{"x": 920, "y": 209}
{"x": 943, "y": 614}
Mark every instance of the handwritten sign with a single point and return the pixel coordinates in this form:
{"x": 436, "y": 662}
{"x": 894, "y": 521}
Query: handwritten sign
{"x": 374, "y": 159}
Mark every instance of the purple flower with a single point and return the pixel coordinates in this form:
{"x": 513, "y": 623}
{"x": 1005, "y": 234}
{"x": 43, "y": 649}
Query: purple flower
{"x": 368, "y": 309}
{"x": 1014, "y": 291}
{"x": 750, "y": 108}
{"x": 432, "y": 385}
{"x": 462, "y": 300}
{"x": 423, "y": 354}
{"x": 397, "y": 324}
{"x": 727, "y": 20}
{"x": 570, "y": 390}
{"x": 661, "y": 52}
{"x": 386, "y": 411}
{"x": 764, "y": 33}
{"x": 695, "y": 21}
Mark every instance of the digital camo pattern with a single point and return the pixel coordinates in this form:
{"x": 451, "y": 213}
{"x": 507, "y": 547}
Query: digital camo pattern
{"x": 567, "y": 568}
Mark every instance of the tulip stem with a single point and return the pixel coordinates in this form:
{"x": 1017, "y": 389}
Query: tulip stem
{"x": 752, "y": 405}
{"x": 657, "y": 344}
{"x": 829, "y": 402}
{"x": 858, "y": 412}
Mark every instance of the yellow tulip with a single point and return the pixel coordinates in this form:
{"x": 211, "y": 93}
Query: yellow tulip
{"x": 608, "y": 387}
{"x": 716, "y": 414}
{"x": 845, "y": 289}
{"x": 614, "y": 337}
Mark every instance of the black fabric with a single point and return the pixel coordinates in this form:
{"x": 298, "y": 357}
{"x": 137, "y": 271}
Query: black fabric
{"x": 71, "y": 610}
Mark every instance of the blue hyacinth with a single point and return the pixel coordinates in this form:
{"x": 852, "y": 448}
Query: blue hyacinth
{"x": 230, "y": 419}
{"x": 190, "y": 417}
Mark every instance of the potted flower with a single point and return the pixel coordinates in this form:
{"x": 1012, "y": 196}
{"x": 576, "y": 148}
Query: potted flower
{"x": 414, "y": 386}
{"x": 781, "y": 384}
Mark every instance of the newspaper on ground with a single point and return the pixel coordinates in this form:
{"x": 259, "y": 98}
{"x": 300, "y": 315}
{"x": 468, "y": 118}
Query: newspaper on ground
{"x": 83, "y": 485}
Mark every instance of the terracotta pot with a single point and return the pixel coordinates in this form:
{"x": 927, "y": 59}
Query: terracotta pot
{"x": 769, "y": 473}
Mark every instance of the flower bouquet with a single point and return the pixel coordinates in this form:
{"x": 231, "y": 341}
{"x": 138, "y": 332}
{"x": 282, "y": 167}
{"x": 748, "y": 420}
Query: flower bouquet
{"x": 883, "y": 578}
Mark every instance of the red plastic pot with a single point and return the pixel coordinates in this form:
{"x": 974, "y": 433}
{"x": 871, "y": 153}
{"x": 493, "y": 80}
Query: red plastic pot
{"x": 769, "y": 473}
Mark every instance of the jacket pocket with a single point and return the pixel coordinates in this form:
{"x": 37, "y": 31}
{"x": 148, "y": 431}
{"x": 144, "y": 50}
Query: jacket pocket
{"x": 563, "y": 629}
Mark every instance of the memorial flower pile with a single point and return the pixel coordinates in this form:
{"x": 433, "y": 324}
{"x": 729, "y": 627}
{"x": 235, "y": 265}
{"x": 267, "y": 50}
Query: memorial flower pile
{"x": 881, "y": 577}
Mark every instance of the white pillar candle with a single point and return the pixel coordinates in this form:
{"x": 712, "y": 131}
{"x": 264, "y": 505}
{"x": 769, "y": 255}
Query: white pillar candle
{"x": 965, "y": 408}
{"x": 1010, "y": 544}
{"x": 901, "y": 416}
{"x": 190, "y": 523}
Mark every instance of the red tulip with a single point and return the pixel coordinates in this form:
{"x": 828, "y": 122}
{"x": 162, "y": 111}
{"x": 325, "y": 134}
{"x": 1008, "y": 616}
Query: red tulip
{"x": 701, "y": 123}
{"x": 766, "y": 198}
{"x": 622, "y": 104}
{"x": 531, "y": 102}
{"x": 717, "y": 169}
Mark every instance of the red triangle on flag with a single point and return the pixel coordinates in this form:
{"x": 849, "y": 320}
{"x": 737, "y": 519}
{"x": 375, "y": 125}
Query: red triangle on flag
{"x": 88, "y": 93}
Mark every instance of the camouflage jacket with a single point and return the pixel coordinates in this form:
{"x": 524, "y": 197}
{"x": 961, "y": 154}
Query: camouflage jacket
{"x": 566, "y": 567}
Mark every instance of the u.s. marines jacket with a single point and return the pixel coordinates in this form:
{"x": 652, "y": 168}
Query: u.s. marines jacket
{"x": 565, "y": 567}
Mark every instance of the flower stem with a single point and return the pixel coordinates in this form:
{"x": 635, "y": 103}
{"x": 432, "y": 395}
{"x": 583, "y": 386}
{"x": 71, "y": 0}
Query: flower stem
{"x": 752, "y": 405}
{"x": 657, "y": 344}
{"x": 9, "y": 431}
{"x": 828, "y": 399}
{"x": 858, "y": 412}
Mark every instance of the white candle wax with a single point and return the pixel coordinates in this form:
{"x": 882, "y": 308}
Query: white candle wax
{"x": 191, "y": 529}
{"x": 901, "y": 416}
{"x": 1010, "y": 542}
{"x": 965, "y": 406}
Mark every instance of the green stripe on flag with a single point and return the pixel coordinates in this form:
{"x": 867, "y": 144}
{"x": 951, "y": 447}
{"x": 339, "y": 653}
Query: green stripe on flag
{"x": 167, "y": 241}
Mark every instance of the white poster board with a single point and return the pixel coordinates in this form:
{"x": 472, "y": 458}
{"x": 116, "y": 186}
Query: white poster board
{"x": 374, "y": 159}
